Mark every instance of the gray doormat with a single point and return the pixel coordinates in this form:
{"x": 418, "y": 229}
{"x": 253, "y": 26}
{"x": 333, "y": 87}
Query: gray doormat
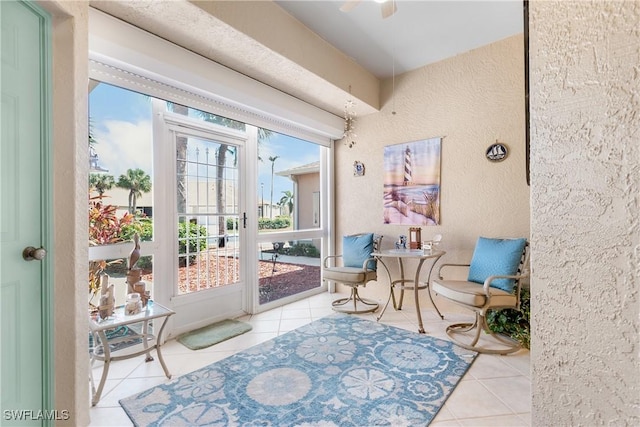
{"x": 213, "y": 334}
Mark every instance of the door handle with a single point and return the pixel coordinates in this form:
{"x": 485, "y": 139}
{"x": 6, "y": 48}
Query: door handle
{"x": 33, "y": 254}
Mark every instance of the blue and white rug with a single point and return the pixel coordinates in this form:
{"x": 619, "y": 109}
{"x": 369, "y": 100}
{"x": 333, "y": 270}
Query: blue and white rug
{"x": 337, "y": 371}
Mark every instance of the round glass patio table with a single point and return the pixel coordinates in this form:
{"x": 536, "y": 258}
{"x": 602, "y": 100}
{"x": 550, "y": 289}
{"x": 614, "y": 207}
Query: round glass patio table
{"x": 408, "y": 283}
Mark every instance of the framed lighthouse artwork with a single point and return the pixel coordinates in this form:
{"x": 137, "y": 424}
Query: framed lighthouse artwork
{"x": 412, "y": 182}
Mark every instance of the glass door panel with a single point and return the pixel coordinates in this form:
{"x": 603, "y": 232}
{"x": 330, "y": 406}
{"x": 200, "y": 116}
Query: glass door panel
{"x": 287, "y": 268}
{"x": 208, "y": 214}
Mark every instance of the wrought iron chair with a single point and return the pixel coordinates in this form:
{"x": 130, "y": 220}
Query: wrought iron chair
{"x": 355, "y": 267}
{"x": 494, "y": 282}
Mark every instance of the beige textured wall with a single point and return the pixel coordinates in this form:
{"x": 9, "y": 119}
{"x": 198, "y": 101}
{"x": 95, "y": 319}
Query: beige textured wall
{"x": 585, "y": 121}
{"x": 70, "y": 169}
{"x": 284, "y": 54}
{"x": 276, "y": 29}
{"x": 472, "y": 100}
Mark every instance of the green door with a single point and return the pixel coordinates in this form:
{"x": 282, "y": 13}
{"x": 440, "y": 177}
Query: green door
{"x": 25, "y": 331}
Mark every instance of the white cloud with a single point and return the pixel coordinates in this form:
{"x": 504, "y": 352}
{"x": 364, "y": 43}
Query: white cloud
{"x": 124, "y": 145}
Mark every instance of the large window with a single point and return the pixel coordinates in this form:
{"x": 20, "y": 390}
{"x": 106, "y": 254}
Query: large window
{"x": 121, "y": 187}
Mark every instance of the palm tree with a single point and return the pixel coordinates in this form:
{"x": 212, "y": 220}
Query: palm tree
{"x": 137, "y": 182}
{"x": 221, "y": 159}
{"x": 101, "y": 182}
{"x": 287, "y": 200}
{"x": 272, "y": 159}
{"x": 181, "y": 163}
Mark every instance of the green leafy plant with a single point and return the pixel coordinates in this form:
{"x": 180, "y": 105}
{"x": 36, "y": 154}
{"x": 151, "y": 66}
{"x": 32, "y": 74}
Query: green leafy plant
{"x": 303, "y": 249}
{"x": 142, "y": 225}
{"x": 232, "y": 223}
{"x": 105, "y": 227}
{"x": 513, "y": 323}
{"x": 276, "y": 223}
{"x": 197, "y": 238}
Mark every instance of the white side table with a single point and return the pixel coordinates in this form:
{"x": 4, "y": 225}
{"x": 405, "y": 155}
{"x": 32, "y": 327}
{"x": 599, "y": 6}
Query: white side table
{"x": 149, "y": 341}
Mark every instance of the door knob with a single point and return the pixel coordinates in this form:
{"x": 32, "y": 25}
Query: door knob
{"x": 30, "y": 253}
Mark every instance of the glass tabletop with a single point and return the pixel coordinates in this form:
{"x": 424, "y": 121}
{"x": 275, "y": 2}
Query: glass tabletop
{"x": 152, "y": 310}
{"x": 408, "y": 253}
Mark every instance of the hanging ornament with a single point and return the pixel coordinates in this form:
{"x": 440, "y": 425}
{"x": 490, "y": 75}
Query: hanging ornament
{"x": 349, "y": 135}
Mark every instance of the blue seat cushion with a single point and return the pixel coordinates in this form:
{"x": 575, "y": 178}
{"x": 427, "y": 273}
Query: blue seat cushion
{"x": 496, "y": 257}
{"x": 356, "y": 249}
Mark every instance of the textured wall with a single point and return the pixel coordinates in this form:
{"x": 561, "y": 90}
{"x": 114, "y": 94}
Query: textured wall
{"x": 277, "y": 49}
{"x": 585, "y": 121}
{"x": 472, "y": 100}
{"x": 70, "y": 170}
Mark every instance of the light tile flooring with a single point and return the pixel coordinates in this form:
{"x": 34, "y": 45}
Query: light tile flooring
{"x": 494, "y": 392}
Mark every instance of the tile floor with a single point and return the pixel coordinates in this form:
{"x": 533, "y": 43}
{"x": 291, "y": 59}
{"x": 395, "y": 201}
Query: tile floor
{"x": 494, "y": 392}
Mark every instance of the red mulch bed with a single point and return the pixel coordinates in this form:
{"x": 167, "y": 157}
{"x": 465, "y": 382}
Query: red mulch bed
{"x": 286, "y": 279}
{"x": 274, "y": 283}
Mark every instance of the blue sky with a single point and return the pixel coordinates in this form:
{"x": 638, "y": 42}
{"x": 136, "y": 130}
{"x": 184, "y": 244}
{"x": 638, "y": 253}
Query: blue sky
{"x": 121, "y": 125}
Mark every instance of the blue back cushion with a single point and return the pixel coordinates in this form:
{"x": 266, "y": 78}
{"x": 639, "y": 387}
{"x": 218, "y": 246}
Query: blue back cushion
{"x": 496, "y": 257}
{"x": 356, "y": 249}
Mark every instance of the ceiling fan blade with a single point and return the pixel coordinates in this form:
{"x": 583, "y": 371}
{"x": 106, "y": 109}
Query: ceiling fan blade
{"x": 388, "y": 8}
{"x": 349, "y": 5}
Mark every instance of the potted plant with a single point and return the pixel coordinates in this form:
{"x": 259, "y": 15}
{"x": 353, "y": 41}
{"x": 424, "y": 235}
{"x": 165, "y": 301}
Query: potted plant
{"x": 513, "y": 323}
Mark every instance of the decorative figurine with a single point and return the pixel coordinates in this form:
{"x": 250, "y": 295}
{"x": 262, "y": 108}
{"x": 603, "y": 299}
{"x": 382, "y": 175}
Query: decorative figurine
{"x": 134, "y": 275}
{"x": 107, "y": 297}
{"x": 402, "y": 242}
{"x": 134, "y": 255}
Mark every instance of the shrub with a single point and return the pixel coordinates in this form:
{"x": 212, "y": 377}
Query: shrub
{"x": 141, "y": 225}
{"x": 264, "y": 223}
{"x": 197, "y": 237}
{"x": 281, "y": 222}
{"x": 232, "y": 223}
{"x": 104, "y": 225}
{"x": 304, "y": 249}
{"x": 276, "y": 223}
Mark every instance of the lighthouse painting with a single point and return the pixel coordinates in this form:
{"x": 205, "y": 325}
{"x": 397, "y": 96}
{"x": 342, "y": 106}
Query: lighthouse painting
{"x": 407, "y": 167}
{"x": 412, "y": 182}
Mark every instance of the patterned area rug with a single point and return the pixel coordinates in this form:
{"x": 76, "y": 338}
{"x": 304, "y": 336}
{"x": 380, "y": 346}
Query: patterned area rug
{"x": 337, "y": 371}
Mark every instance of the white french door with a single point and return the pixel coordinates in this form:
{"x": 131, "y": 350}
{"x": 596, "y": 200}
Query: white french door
{"x": 205, "y": 220}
